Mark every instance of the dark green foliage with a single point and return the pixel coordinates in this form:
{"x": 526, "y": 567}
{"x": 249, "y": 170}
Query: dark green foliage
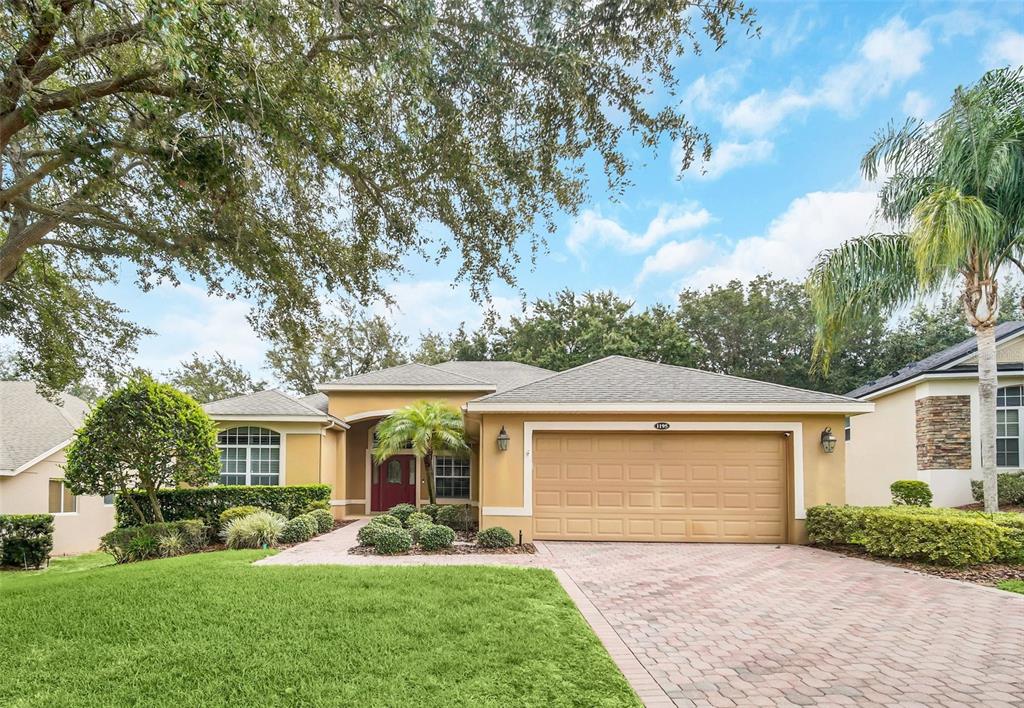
{"x": 911, "y": 492}
{"x": 25, "y": 539}
{"x": 829, "y": 524}
{"x": 495, "y": 537}
{"x": 235, "y": 512}
{"x": 301, "y": 528}
{"x": 321, "y": 504}
{"x": 402, "y": 511}
{"x": 137, "y": 543}
{"x": 324, "y": 520}
{"x": 459, "y": 517}
{"x": 386, "y": 520}
{"x": 431, "y": 510}
{"x": 367, "y": 536}
{"x": 1011, "y": 488}
{"x": 418, "y": 518}
{"x": 434, "y": 537}
{"x": 207, "y": 503}
{"x": 392, "y": 541}
{"x": 212, "y": 379}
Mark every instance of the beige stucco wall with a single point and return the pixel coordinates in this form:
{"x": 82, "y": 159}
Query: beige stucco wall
{"x": 882, "y": 449}
{"x": 301, "y": 442}
{"x": 501, "y": 473}
{"x": 28, "y": 493}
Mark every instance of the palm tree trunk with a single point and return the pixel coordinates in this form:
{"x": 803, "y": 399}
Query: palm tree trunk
{"x": 428, "y": 464}
{"x": 987, "y": 383}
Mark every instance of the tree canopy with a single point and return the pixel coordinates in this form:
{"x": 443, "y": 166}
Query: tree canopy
{"x": 281, "y": 151}
{"x": 212, "y": 378}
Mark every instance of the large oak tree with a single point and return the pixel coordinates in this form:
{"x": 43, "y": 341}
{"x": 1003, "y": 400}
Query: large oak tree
{"x": 281, "y": 151}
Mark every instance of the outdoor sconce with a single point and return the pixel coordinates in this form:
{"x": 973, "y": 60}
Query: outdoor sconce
{"x": 828, "y": 440}
{"x": 503, "y": 439}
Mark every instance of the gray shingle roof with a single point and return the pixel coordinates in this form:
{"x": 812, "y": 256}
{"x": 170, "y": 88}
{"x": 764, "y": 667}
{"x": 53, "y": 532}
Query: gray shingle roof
{"x": 269, "y": 402}
{"x": 30, "y": 425}
{"x": 620, "y": 379}
{"x": 411, "y": 375}
{"x": 503, "y": 374}
{"x": 934, "y": 362}
{"x": 316, "y": 400}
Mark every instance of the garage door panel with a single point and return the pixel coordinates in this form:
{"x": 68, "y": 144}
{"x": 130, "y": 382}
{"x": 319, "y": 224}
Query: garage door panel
{"x": 660, "y": 486}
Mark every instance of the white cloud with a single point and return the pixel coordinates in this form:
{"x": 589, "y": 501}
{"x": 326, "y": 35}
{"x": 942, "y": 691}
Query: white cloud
{"x": 1007, "y": 49}
{"x": 675, "y": 257}
{"x": 916, "y": 104}
{"x": 889, "y": 54}
{"x": 671, "y": 220}
{"x": 707, "y": 92}
{"x": 810, "y": 224}
{"x": 730, "y": 155}
{"x": 436, "y": 305}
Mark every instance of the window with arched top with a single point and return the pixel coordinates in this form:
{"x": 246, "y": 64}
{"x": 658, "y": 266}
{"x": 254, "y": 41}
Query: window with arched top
{"x": 249, "y": 455}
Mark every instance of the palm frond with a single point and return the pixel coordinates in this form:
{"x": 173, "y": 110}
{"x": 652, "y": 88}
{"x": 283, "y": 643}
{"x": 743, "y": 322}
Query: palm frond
{"x": 425, "y": 426}
{"x": 952, "y": 232}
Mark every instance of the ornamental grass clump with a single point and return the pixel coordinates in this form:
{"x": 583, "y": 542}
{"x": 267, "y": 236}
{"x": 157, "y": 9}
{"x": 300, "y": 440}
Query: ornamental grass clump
{"x": 256, "y": 530}
{"x": 235, "y": 512}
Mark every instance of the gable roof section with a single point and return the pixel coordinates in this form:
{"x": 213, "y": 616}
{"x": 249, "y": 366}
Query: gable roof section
{"x": 619, "y": 383}
{"x": 32, "y": 426}
{"x": 504, "y": 375}
{"x": 410, "y": 377}
{"x": 944, "y": 360}
{"x": 269, "y": 404}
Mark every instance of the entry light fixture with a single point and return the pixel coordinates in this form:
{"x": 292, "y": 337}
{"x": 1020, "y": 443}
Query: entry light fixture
{"x": 828, "y": 440}
{"x": 503, "y": 439}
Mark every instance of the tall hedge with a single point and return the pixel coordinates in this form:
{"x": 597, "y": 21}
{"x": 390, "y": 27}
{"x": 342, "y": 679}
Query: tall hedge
{"x": 207, "y": 503}
{"x": 26, "y": 540}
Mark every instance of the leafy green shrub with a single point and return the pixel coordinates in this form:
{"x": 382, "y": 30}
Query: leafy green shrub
{"x": 235, "y": 512}
{"x": 431, "y": 510}
{"x": 138, "y": 543}
{"x": 459, "y": 517}
{"x": 1010, "y": 487}
{"x": 25, "y": 539}
{"x": 321, "y": 504}
{"x": 207, "y": 503}
{"x": 1011, "y": 544}
{"x": 495, "y": 537}
{"x": 324, "y": 520}
{"x": 911, "y": 492}
{"x": 834, "y": 524}
{"x": 435, "y": 537}
{"x": 402, "y": 511}
{"x": 386, "y": 520}
{"x": 392, "y": 541}
{"x": 171, "y": 544}
{"x": 367, "y": 535}
{"x": 947, "y": 539}
{"x": 301, "y": 528}
{"x": 417, "y": 518}
{"x": 255, "y": 530}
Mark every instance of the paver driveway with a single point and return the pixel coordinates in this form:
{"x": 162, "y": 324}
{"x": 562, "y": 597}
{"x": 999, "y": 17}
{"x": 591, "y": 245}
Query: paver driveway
{"x": 782, "y": 625}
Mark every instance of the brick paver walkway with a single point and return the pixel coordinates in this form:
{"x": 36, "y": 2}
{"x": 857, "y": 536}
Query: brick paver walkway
{"x": 746, "y": 625}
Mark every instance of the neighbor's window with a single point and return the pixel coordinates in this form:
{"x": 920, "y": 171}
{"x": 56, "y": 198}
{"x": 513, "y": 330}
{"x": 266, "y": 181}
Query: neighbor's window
{"x": 249, "y": 455}
{"x": 62, "y": 501}
{"x": 451, "y": 477}
{"x": 1008, "y": 407}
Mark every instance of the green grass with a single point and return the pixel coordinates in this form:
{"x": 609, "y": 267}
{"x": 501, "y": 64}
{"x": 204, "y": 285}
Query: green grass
{"x": 211, "y": 629}
{"x": 64, "y": 564}
{"x": 1012, "y": 586}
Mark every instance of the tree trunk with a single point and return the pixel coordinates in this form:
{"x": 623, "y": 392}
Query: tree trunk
{"x": 135, "y": 505}
{"x": 987, "y": 384}
{"x": 155, "y": 503}
{"x": 428, "y": 465}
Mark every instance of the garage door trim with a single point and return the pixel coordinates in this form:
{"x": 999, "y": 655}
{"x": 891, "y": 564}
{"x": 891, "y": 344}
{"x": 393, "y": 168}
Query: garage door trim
{"x": 795, "y": 429}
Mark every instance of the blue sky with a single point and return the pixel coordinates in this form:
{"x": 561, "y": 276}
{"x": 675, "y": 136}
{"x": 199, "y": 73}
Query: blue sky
{"x": 790, "y": 114}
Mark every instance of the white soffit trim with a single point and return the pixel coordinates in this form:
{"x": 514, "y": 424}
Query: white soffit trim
{"x": 343, "y": 502}
{"x": 356, "y": 417}
{"x": 270, "y": 418}
{"x": 795, "y": 428}
{"x": 35, "y": 460}
{"x": 940, "y": 376}
{"x": 407, "y": 387}
{"x": 839, "y": 407}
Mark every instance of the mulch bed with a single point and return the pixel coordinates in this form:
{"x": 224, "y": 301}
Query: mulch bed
{"x": 985, "y": 574}
{"x": 459, "y": 549}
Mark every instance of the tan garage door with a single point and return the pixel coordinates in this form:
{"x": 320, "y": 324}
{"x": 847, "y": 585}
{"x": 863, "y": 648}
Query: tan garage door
{"x": 660, "y": 486}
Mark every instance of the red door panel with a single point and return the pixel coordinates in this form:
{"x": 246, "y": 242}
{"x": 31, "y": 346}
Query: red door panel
{"x": 393, "y": 481}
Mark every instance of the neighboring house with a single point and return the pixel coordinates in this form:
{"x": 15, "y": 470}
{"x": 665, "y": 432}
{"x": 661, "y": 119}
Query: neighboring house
{"x": 925, "y": 423}
{"x": 617, "y": 449}
{"x": 33, "y": 434}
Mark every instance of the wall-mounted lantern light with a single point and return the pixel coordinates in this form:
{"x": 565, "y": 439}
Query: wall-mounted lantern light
{"x": 828, "y": 440}
{"x": 503, "y": 439}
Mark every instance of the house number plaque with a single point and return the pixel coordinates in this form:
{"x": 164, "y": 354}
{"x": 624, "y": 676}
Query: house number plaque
{"x": 661, "y": 426}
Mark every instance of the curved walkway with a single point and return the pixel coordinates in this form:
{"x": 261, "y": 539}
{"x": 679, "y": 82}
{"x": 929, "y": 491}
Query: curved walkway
{"x": 744, "y": 625}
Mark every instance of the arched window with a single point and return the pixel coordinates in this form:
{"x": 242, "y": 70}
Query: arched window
{"x": 249, "y": 455}
{"x": 1008, "y": 419}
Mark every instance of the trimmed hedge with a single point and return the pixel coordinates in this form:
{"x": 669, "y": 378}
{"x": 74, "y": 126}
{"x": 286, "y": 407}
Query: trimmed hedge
{"x": 1010, "y": 488}
{"x": 26, "y": 540}
{"x": 138, "y": 543}
{"x": 911, "y": 492}
{"x": 207, "y": 503}
{"x": 386, "y": 520}
{"x": 302, "y": 528}
{"x": 392, "y": 541}
{"x": 435, "y": 537}
{"x": 495, "y": 537}
{"x": 402, "y": 511}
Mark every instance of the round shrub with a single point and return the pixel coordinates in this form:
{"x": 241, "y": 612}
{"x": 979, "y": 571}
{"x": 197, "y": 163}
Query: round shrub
{"x": 235, "y": 512}
{"x": 435, "y": 537}
{"x": 911, "y": 492}
{"x": 256, "y": 530}
{"x": 367, "y": 535}
{"x": 418, "y": 517}
{"x": 301, "y": 528}
{"x": 324, "y": 520}
{"x": 392, "y": 541}
{"x": 317, "y": 504}
{"x": 386, "y": 520}
{"x": 402, "y": 511}
{"x": 430, "y": 510}
{"x": 456, "y": 516}
{"x": 495, "y": 537}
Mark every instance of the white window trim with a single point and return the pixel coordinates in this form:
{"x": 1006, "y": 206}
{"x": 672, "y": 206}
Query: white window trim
{"x": 62, "y": 486}
{"x": 1020, "y": 428}
{"x": 281, "y": 477}
{"x": 793, "y": 428}
{"x": 455, "y": 500}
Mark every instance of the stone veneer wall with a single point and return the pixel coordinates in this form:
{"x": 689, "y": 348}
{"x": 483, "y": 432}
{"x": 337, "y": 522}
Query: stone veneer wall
{"x": 943, "y": 433}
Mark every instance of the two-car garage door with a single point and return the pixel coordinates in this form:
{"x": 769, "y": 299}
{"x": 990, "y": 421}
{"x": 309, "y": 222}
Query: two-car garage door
{"x": 664, "y": 486}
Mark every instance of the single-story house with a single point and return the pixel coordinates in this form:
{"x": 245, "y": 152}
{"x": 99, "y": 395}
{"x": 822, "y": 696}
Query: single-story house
{"x": 925, "y": 423}
{"x": 33, "y": 434}
{"x": 617, "y": 449}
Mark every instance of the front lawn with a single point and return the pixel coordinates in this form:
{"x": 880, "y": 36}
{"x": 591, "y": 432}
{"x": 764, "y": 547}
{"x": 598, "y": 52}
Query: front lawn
{"x": 1012, "y": 586}
{"x": 211, "y": 629}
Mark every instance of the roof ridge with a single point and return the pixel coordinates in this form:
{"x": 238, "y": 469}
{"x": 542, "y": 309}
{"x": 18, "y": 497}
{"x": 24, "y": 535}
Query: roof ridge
{"x": 452, "y": 373}
{"x": 545, "y": 378}
{"x": 493, "y": 361}
{"x": 296, "y": 400}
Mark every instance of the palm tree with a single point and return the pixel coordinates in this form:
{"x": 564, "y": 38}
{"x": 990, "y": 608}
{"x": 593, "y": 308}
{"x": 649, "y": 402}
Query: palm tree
{"x": 954, "y": 191}
{"x": 425, "y": 427}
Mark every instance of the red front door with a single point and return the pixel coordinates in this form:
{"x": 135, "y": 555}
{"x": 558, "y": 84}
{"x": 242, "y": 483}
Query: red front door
{"x": 393, "y": 481}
